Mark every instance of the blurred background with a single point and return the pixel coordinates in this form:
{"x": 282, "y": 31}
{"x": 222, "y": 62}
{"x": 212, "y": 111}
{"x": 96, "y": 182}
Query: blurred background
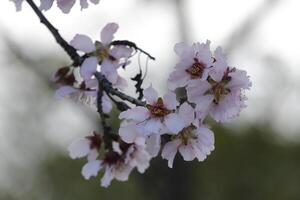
{"x": 257, "y": 156}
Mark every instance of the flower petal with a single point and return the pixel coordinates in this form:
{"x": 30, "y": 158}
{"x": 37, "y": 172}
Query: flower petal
{"x": 170, "y": 100}
{"x": 153, "y": 125}
{"x": 91, "y": 169}
{"x": 174, "y": 123}
{"x": 88, "y": 68}
{"x": 129, "y": 133}
{"x": 79, "y": 148}
{"x": 138, "y": 114}
{"x": 46, "y": 4}
{"x": 107, "y": 33}
{"x": 64, "y": 91}
{"x": 65, "y": 5}
{"x": 109, "y": 70}
{"x": 150, "y": 95}
{"x": 106, "y": 104}
{"x": 108, "y": 177}
{"x": 187, "y": 113}
{"x": 187, "y": 152}
{"x": 169, "y": 151}
{"x": 83, "y": 43}
{"x": 153, "y": 144}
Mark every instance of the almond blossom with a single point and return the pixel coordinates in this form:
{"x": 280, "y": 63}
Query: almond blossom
{"x": 110, "y": 57}
{"x": 87, "y": 146}
{"x": 118, "y": 162}
{"x": 193, "y": 141}
{"x": 195, "y": 63}
{"x": 221, "y": 96}
{"x": 158, "y": 116}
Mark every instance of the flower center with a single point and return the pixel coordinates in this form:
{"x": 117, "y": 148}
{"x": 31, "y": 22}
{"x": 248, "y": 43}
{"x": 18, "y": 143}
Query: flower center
{"x": 196, "y": 70}
{"x": 219, "y": 92}
{"x": 186, "y": 134}
{"x": 158, "y": 109}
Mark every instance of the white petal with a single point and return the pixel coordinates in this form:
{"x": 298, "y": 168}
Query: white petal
{"x": 91, "y": 169}
{"x": 122, "y": 173}
{"x": 46, "y": 4}
{"x": 107, "y": 33}
{"x": 129, "y": 133}
{"x": 170, "y": 100}
{"x": 79, "y": 148}
{"x": 121, "y": 52}
{"x": 93, "y": 154}
{"x": 150, "y": 95}
{"x": 106, "y": 104}
{"x": 88, "y": 67}
{"x": 107, "y": 178}
{"x": 95, "y": 1}
{"x": 65, "y": 5}
{"x": 153, "y": 144}
{"x": 178, "y": 78}
{"x": 138, "y": 114}
{"x": 174, "y": 123}
{"x": 121, "y": 83}
{"x": 109, "y": 70}
{"x": 169, "y": 151}
{"x": 219, "y": 66}
{"x": 187, "y": 113}
{"x": 84, "y": 4}
{"x": 83, "y": 43}
{"x": 187, "y": 152}
{"x": 153, "y": 125}
{"x": 116, "y": 147}
{"x": 181, "y": 48}
{"x": 64, "y": 91}
{"x": 196, "y": 90}
{"x": 239, "y": 79}
{"x": 18, "y": 4}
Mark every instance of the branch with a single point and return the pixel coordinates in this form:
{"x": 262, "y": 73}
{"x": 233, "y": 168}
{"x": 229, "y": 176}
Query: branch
{"x": 77, "y": 59}
{"x": 71, "y": 51}
{"x": 107, "y": 87}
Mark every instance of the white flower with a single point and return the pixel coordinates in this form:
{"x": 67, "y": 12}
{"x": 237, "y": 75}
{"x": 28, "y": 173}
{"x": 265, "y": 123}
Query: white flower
{"x": 111, "y": 58}
{"x": 88, "y": 146}
{"x": 159, "y": 114}
{"x": 193, "y": 141}
{"x": 195, "y": 63}
{"x": 221, "y": 96}
{"x": 119, "y": 162}
{"x": 18, "y": 4}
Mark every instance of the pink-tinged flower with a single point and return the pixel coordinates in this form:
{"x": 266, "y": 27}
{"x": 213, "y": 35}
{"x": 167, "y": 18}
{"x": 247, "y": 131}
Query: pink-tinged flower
{"x": 158, "y": 115}
{"x": 65, "y": 5}
{"x": 195, "y": 63}
{"x": 221, "y": 95}
{"x": 87, "y": 146}
{"x": 18, "y": 4}
{"x": 85, "y": 93}
{"x": 110, "y": 57}
{"x": 132, "y": 131}
{"x": 119, "y": 162}
{"x": 193, "y": 141}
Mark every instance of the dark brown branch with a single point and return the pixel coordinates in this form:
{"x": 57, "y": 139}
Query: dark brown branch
{"x": 71, "y": 51}
{"x": 77, "y": 59}
{"x": 107, "y": 87}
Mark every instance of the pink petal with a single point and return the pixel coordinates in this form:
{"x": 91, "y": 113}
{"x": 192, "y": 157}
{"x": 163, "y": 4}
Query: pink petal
{"x": 106, "y": 104}
{"x": 64, "y": 91}
{"x": 187, "y": 152}
{"x": 83, "y": 43}
{"x": 18, "y": 4}
{"x": 170, "y": 100}
{"x": 169, "y": 151}
{"x": 178, "y": 78}
{"x": 174, "y": 123}
{"x": 181, "y": 48}
{"x": 91, "y": 169}
{"x": 219, "y": 66}
{"x": 95, "y": 1}
{"x": 123, "y": 173}
{"x": 79, "y": 148}
{"x": 129, "y": 133}
{"x": 108, "y": 177}
{"x": 150, "y": 95}
{"x": 108, "y": 69}
{"x": 107, "y": 33}
{"x": 153, "y": 144}
{"x": 88, "y": 68}
{"x": 119, "y": 52}
{"x": 46, "y": 4}
{"x": 84, "y": 4}
{"x": 121, "y": 83}
{"x": 196, "y": 90}
{"x": 187, "y": 113}
{"x": 138, "y": 114}
{"x": 153, "y": 125}
{"x": 65, "y": 5}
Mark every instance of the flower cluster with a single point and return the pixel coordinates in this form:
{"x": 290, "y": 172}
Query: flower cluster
{"x": 212, "y": 89}
{"x": 64, "y": 5}
{"x": 80, "y": 83}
